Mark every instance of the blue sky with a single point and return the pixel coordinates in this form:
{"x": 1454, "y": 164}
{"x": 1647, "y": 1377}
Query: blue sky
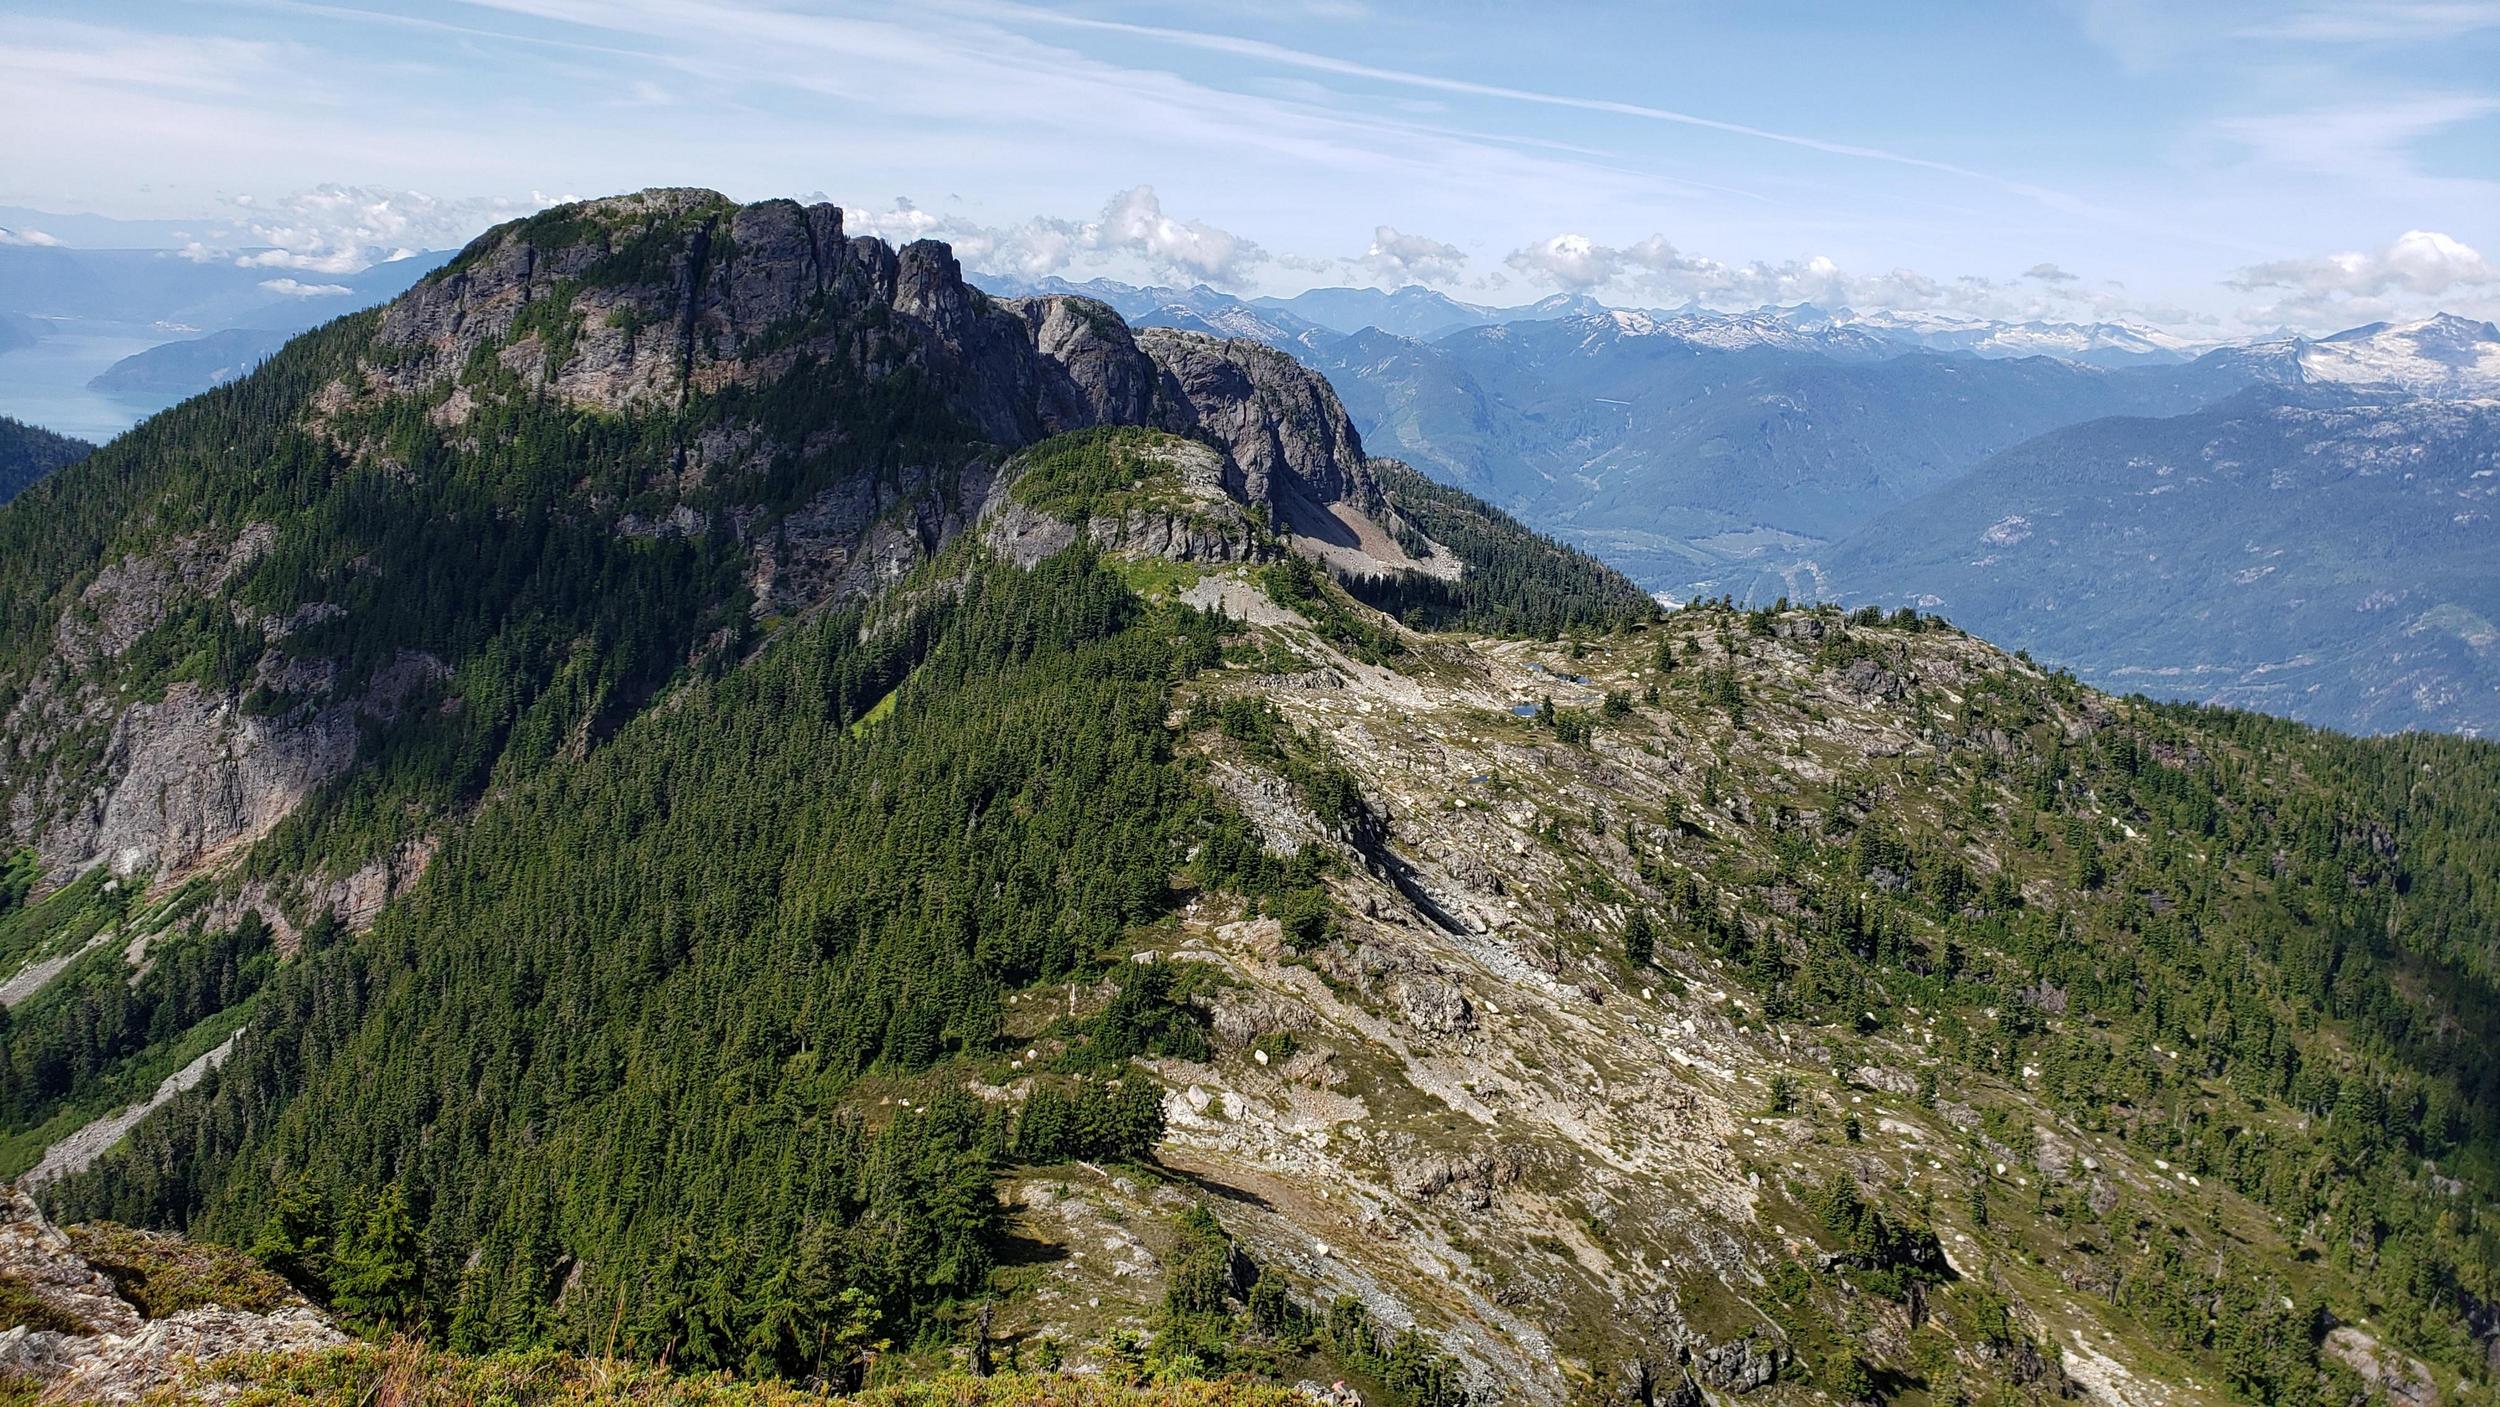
{"x": 2214, "y": 167}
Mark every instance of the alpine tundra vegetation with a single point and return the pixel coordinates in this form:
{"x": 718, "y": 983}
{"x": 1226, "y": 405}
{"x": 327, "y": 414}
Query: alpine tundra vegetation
{"x": 696, "y": 810}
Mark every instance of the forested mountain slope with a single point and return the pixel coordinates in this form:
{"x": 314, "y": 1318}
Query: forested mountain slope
{"x": 29, "y": 452}
{"x": 701, "y": 790}
{"x": 1714, "y": 454}
{"x": 2319, "y": 553}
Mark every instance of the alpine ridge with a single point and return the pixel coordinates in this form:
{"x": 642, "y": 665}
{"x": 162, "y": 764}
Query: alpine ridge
{"x": 689, "y": 336}
{"x": 699, "y": 809}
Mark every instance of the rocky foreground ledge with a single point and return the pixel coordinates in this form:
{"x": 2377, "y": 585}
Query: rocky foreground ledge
{"x": 115, "y": 1315}
{"x": 106, "y": 1314}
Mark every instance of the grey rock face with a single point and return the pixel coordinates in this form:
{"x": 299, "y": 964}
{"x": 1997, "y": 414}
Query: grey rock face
{"x": 1467, "y": 1180}
{"x": 157, "y": 1356}
{"x": 194, "y": 774}
{"x": 129, "y": 598}
{"x": 35, "y": 1254}
{"x": 739, "y": 294}
{"x": 1239, "y": 1017}
{"x": 1741, "y": 1366}
{"x": 1093, "y": 366}
{"x": 1277, "y": 419}
{"x": 1433, "y": 1003}
{"x": 1869, "y": 680}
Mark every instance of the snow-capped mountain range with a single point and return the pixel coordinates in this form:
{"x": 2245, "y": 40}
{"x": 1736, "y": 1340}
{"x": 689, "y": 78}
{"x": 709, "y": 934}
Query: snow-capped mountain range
{"x": 2097, "y": 343}
{"x": 2444, "y": 355}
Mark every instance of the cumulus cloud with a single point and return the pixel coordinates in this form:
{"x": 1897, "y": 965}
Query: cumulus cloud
{"x": 1655, "y": 271}
{"x": 297, "y": 288}
{"x": 1574, "y": 261}
{"x": 1134, "y": 223}
{"x": 2420, "y": 261}
{"x": 36, "y": 238}
{"x": 335, "y": 229}
{"x": 1400, "y": 258}
{"x": 1132, "y": 235}
{"x": 901, "y": 224}
{"x": 2353, "y": 285}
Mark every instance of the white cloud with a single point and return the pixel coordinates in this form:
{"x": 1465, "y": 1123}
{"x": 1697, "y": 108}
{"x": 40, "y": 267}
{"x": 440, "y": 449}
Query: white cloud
{"x": 336, "y": 229}
{"x": 36, "y": 238}
{"x": 295, "y": 288}
{"x": 1400, "y": 258}
{"x": 1572, "y": 260}
{"x": 2420, "y": 261}
{"x": 1134, "y": 223}
{"x": 1133, "y": 236}
{"x": 900, "y": 225}
{"x": 1654, "y": 271}
{"x": 2353, "y": 286}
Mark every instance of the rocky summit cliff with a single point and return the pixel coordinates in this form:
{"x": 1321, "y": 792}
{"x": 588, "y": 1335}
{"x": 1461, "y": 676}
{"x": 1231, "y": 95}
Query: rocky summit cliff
{"x": 699, "y": 793}
{"x": 652, "y": 300}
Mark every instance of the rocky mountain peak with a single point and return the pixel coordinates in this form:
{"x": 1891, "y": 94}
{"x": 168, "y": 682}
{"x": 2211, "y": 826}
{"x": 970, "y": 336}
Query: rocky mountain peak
{"x": 826, "y": 410}
{"x": 2443, "y": 357}
{"x": 637, "y": 302}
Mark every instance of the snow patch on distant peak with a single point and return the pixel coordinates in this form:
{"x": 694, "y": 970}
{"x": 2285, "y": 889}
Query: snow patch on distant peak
{"x": 2443, "y": 355}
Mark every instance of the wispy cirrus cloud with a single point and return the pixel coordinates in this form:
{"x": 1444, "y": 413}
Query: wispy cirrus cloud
{"x": 1284, "y": 56}
{"x": 969, "y": 62}
{"x": 2148, "y": 34}
{"x": 2375, "y": 21}
{"x": 2366, "y": 139}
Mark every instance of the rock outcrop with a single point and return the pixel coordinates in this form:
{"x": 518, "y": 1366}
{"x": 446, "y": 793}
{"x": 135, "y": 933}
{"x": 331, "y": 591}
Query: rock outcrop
{"x": 1277, "y": 419}
{"x": 80, "y": 1339}
{"x": 1192, "y": 518}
